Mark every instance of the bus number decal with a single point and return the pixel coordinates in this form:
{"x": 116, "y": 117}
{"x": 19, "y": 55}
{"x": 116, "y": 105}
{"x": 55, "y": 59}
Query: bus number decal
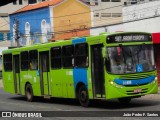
{"x": 129, "y": 82}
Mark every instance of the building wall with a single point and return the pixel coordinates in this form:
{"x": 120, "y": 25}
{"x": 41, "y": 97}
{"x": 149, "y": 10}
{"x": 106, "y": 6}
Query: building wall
{"x": 34, "y": 18}
{"x": 107, "y": 12}
{"x": 97, "y": 31}
{"x": 10, "y": 8}
{"x": 71, "y": 22}
{"x": 142, "y": 17}
{"x": 4, "y": 24}
{"x": 107, "y": 28}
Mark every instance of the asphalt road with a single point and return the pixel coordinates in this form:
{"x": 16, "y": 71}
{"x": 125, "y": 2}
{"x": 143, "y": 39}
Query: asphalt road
{"x": 10, "y": 102}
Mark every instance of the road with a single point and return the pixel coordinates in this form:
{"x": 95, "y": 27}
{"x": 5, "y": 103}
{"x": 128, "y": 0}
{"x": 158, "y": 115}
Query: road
{"x": 10, "y": 102}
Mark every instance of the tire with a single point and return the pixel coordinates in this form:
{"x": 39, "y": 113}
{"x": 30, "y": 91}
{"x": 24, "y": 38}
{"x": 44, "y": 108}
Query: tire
{"x": 124, "y": 100}
{"x": 29, "y": 92}
{"x": 83, "y": 96}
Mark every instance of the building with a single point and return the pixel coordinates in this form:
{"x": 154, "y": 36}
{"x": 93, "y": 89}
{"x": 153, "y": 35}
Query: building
{"x": 4, "y": 15}
{"x": 50, "y": 20}
{"x": 106, "y": 12}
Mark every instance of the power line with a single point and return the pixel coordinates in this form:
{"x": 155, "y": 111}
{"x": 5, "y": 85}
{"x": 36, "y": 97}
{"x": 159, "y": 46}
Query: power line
{"x": 77, "y": 13}
{"x": 93, "y": 20}
{"x": 94, "y": 11}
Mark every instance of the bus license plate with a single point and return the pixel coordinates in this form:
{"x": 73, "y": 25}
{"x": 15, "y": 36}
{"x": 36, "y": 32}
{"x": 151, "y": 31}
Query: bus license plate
{"x": 137, "y": 90}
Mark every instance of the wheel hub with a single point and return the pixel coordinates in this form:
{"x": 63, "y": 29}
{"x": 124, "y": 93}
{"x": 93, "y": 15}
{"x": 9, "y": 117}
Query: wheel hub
{"x": 83, "y": 95}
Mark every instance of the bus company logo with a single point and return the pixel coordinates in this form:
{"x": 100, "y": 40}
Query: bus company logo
{"x": 21, "y": 114}
{"x": 6, "y": 114}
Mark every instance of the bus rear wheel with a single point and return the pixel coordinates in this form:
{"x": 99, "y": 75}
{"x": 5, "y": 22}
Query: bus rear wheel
{"x": 83, "y": 96}
{"x": 124, "y": 100}
{"x": 29, "y": 93}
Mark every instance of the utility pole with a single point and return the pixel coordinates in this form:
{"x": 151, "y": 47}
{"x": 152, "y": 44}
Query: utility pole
{"x": 17, "y": 32}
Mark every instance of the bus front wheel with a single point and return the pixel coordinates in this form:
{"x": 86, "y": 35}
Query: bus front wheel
{"x": 83, "y": 96}
{"x": 29, "y": 93}
{"x": 124, "y": 100}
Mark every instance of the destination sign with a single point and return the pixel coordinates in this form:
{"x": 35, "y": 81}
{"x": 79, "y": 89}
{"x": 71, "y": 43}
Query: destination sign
{"x": 128, "y": 38}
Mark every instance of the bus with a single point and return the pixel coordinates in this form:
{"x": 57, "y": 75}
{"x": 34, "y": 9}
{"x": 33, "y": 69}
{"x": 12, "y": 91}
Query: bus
{"x": 116, "y": 65}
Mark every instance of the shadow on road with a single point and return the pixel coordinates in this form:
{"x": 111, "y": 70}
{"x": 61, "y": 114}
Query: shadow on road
{"x": 110, "y": 105}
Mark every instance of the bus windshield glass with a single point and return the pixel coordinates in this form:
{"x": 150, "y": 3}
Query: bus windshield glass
{"x": 130, "y": 59}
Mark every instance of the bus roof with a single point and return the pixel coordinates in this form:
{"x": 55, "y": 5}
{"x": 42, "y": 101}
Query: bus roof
{"x": 62, "y": 42}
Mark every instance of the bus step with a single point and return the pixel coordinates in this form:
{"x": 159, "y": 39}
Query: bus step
{"x": 47, "y": 97}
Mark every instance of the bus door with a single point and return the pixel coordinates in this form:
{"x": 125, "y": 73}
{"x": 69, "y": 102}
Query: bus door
{"x": 97, "y": 66}
{"x": 16, "y": 72}
{"x": 44, "y": 72}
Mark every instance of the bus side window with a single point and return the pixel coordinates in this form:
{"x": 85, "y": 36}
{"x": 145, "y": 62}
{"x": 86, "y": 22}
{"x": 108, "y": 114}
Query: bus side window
{"x": 7, "y": 61}
{"x": 24, "y": 61}
{"x": 81, "y": 55}
{"x": 56, "y": 61}
{"x": 68, "y": 56}
{"x": 33, "y": 59}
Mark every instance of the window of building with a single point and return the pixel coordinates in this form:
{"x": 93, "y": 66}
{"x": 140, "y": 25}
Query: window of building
{"x": 116, "y": 0}
{"x": 116, "y": 14}
{"x": 24, "y": 61}
{"x": 81, "y": 55}
{"x": 27, "y": 33}
{"x": 27, "y": 28}
{"x": 105, "y": 14}
{"x": 96, "y": 15}
{"x": 7, "y": 61}
{"x": 15, "y": 3}
{"x": 56, "y": 57}
{"x": 105, "y": 0}
{"x": 67, "y": 56}
{"x": 44, "y": 30}
{"x": 33, "y": 59}
{"x": 1, "y": 36}
{"x": 20, "y": 2}
{"x": 8, "y": 36}
{"x": 32, "y": 1}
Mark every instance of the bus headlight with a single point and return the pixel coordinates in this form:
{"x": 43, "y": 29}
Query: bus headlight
{"x": 111, "y": 82}
{"x": 156, "y": 78}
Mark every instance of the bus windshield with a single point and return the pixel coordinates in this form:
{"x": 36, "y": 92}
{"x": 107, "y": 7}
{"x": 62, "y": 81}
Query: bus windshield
{"x": 130, "y": 59}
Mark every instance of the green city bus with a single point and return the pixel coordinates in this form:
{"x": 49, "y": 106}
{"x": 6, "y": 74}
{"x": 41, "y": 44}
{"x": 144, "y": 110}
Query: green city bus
{"x": 116, "y": 65}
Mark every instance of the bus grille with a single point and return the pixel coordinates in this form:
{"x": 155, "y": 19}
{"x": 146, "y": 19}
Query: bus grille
{"x": 131, "y": 92}
{"x": 134, "y": 76}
